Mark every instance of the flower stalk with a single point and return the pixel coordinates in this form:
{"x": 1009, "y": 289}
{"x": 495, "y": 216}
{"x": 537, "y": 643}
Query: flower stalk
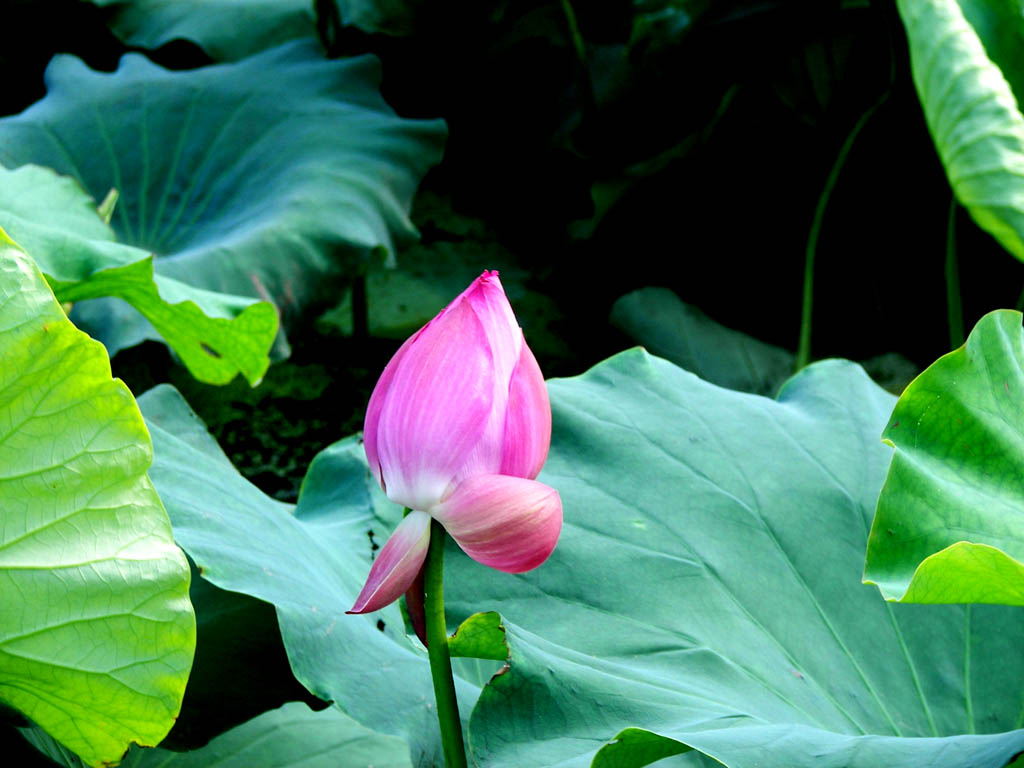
{"x": 437, "y": 648}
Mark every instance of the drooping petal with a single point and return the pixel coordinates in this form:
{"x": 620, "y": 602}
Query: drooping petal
{"x": 397, "y": 564}
{"x": 508, "y": 523}
{"x": 436, "y": 405}
{"x": 527, "y": 420}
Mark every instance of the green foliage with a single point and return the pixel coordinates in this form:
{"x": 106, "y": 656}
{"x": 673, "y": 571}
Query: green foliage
{"x": 269, "y": 178}
{"x": 705, "y": 604}
{"x": 240, "y": 669}
{"x": 706, "y": 589}
{"x": 947, "y": 529}
{"x": 289, "y": 737}
{"x": 656, "y": 318}
{"x": 217, "y": 336}
{"x": 97, "y": 632}
{"x": 969, "y": 73}
{"x": 481, "y": 636}
{"x": 705, "y": 592}
{"x": 214, "y": 25}
{"x": 309, "y": 561}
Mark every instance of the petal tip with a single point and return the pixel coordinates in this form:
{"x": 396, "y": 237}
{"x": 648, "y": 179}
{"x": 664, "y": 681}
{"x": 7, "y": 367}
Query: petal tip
{"x": 396, "y": 566}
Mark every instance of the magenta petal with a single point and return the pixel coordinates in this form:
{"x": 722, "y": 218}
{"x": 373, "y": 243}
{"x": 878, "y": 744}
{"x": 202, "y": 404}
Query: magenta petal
{"x": 488, "y": 300}
{"x": 397, "y": 564}
{"x": 376, "y": 405}
{"x": 527, "y": 421}
{"x": 436, "y": 404}
{"x": 508, "y": 523}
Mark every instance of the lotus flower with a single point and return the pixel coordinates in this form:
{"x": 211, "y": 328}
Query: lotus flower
{"x": 457, "y": 429}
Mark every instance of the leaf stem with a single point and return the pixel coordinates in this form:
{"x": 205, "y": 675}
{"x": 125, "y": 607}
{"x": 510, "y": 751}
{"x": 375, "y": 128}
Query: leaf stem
{"x": 437, "y": 648}
{"x": 578, "y": 44}
{"x": 803, "y": 353}
{"x": 954, "y": 304}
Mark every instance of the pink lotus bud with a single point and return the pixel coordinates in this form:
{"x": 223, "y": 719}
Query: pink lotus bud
{"x": 458, "y": 427}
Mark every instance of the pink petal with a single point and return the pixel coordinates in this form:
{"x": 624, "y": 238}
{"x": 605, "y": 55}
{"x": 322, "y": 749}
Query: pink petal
{"x": 508, "y": 523}
{"x": 376, "y": 405}
{"x": 397, "y": 564}
{"x": 436, "y": 402}
{"x": 487, "y": 298}
{"x": 527, "y": 421}
{"x": 439, "y": 411}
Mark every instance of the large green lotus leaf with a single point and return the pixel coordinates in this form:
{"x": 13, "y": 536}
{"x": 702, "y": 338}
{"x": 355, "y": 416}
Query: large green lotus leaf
{"x": 968, "y": 68}
{"x": 96, "y": 629}
{"x": 268, "y": 178}
{"x": 310, "y": 561}
{"x": 292, "y": 736}
{"x": 53, "y": 218}
{"x": 706, "y": 592}
{"x": 229, "y": 30}
{"x": 948, "y": 525}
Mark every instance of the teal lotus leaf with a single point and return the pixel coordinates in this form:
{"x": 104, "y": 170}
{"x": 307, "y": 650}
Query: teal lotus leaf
{"x": 309, "y": 561}
{"x": 270, "y": 178}
{"x": 216, "y": 335}
{"x": 229, "y": 30}
{"x": 291, "y": 736}
{"x": 669, "y": 328}
{"x": 704, "y": 599}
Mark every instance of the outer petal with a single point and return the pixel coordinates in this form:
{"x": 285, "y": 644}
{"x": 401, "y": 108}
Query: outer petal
{"x": 435, "y": 405}
{"x": 397, "y": 564}
{"x": 527, "y": 421}
{"x": 508, "y": 523}
{"x": 376, "y": 405}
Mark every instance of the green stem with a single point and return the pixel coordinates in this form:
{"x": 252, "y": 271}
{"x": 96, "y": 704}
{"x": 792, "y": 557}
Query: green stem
{"x": 803, "y": 353}
{"x": 954, "y": 304}
{"x": 437, "y": 648}
{"x": 574, "y": 32}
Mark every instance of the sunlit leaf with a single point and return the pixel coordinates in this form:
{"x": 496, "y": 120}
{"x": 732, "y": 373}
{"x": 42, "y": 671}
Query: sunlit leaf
{"x": 217, "y": 336}
{"x": 968, "y": 70}
{"x": 948, "y": 527}
{"x": 96, "y": 629}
